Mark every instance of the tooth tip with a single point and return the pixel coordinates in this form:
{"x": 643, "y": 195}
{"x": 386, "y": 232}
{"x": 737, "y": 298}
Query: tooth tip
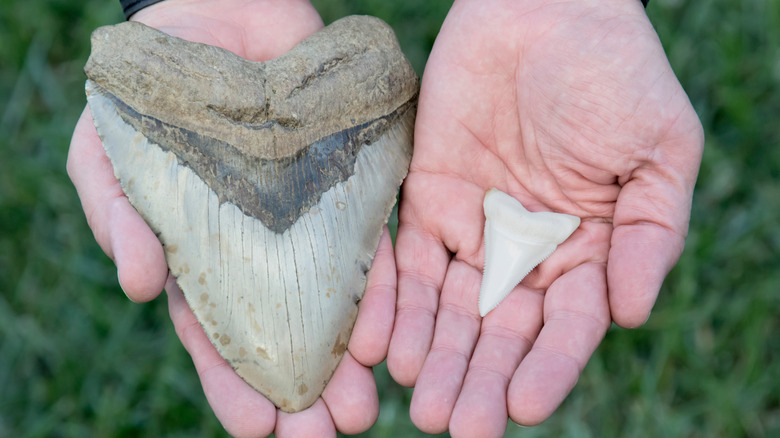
{"x": 484, "y": 307}
{"x": 483, "y": 311}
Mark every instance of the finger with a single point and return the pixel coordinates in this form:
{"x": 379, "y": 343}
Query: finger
{"x": 651, "y": 217}
{"x": 311, "y": 422}
{"x": 421, "y": 262}
{"x": 506, "y": 337}
{"x": 118, "y": 228}
{"x": 351, "y": 397}
{"x": 374, "y": 325}
{"x": 576, "y": 314}
{"x": 651, "y": 222}
{"x": 242, "y": 411}
{"x": 457, "y": 329}
{"x": 640, "y": 258}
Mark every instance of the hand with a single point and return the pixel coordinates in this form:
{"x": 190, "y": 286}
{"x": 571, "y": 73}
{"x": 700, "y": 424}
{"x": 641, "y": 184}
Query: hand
{"x": 569, "y": 107}
{"x": 257, "y": 30}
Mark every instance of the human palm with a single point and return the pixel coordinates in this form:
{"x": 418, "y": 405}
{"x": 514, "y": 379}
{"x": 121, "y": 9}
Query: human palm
{"x": 256, "y": 30}
{"x": 569, "y": 107}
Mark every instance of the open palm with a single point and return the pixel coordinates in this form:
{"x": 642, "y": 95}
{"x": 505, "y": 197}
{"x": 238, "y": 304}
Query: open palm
{"x": 257, "y": 30}
{"x": 569, "y": 107}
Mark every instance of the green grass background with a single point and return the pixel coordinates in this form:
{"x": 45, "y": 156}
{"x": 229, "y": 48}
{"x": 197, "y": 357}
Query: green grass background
{"x": 78, "y": 359}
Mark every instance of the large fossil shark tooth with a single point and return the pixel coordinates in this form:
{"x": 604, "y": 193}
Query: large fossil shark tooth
{"x": 516, "y": 241}
{"x": 267, "y": 183}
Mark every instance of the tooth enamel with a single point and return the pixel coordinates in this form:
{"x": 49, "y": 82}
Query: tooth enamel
{"x": 516, "y": 241}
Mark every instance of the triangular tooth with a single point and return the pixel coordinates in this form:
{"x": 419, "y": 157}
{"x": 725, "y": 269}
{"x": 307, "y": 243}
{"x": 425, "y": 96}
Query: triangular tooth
{"x": 267, "y": 183}
{"x": 516, "y": 241}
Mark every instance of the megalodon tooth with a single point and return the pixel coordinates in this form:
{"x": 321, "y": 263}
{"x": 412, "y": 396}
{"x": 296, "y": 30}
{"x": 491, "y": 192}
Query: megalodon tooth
{"x": 516, "y": 241}
{"x": 268, "y": 184}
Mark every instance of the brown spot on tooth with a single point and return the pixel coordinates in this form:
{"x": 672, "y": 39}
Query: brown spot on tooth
{"x": 262, "y": 353}
{"x": 339, "y": 347}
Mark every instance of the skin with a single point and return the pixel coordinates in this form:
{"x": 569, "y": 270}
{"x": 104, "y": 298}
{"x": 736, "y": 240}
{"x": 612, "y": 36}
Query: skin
{"x": 257, "y": 30}
{"x": 569, "y": 106}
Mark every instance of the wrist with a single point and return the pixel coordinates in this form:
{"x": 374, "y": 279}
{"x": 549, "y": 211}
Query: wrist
{"x": 257, "y": 29}
{"x": 527, "y": 6}
{"x": 171, "y": 11}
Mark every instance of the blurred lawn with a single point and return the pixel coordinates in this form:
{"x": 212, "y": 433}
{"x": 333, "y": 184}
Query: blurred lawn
{"x": 78, "y": 359}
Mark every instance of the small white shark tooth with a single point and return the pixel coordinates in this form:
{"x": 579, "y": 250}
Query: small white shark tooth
{"x": 267, "y": 183}
{"x": 516, "y": 240}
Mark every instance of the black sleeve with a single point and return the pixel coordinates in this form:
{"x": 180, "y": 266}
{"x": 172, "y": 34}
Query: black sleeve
{"x": 130, "y": 7}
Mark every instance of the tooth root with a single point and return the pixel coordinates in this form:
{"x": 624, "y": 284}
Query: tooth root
{"x": 516, "y": 241}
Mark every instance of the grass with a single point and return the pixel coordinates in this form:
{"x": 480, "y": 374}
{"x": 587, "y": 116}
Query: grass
{"x": 78, "y": 359}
